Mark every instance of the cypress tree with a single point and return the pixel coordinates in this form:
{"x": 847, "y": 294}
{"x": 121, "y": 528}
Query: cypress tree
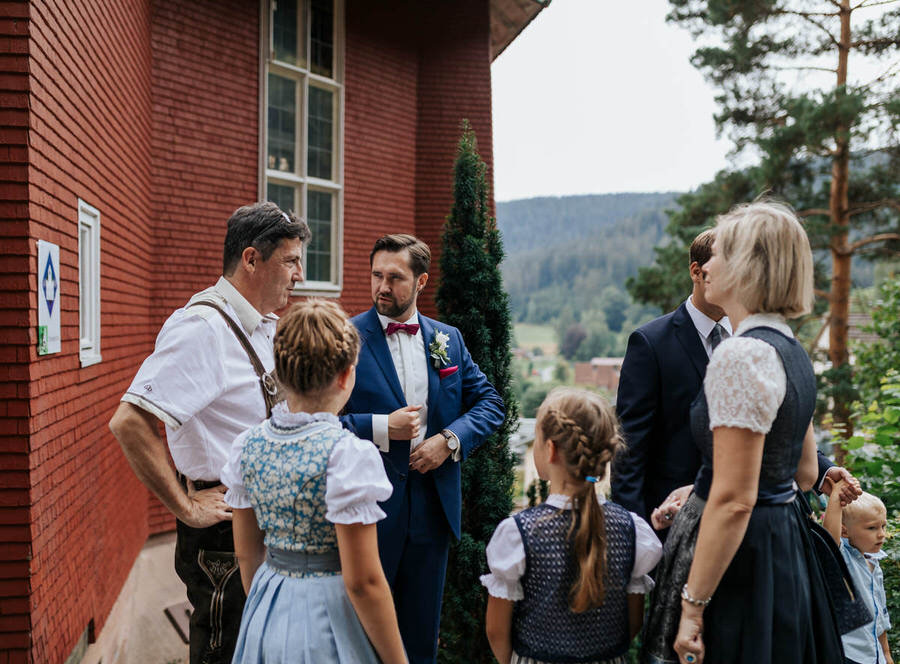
{"x": 471, "y": 298}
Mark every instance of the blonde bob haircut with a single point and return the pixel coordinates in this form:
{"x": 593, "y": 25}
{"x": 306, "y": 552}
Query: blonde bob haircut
{"x": 766, "y": 259}
{"x": 866, "y": 505}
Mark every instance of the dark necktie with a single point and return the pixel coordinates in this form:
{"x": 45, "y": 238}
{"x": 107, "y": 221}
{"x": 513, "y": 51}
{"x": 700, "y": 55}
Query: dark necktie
{"x": 411, "y": 328}
{"x": 715, "y": 337}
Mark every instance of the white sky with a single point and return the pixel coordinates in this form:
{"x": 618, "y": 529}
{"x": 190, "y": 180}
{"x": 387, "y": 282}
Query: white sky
{"x": 599, "y": 96}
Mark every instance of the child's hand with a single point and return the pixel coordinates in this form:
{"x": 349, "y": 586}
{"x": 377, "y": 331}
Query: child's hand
{"x": 849, "y": 489}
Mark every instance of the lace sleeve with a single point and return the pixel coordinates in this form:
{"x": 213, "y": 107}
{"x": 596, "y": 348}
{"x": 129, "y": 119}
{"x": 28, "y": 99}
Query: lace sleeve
{"x": 744, "y": 385}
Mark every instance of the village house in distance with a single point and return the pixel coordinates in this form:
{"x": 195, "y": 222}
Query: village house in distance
{"x": 131, "y": 131}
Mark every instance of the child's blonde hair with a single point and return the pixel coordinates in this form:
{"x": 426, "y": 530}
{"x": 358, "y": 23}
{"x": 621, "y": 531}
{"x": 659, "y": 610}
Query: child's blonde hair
{"x": 584, "y": 428}
{"x": 865, "y": 503}
{"x": 314, "y": 342}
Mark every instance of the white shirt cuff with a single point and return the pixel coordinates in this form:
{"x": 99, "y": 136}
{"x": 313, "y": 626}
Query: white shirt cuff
{"x": 502, "y": 588}
{"x": 380, "y": 433}
{"x": 152, "y": 408}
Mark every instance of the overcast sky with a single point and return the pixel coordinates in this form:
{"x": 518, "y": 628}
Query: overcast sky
{"x": 597, "y": 96}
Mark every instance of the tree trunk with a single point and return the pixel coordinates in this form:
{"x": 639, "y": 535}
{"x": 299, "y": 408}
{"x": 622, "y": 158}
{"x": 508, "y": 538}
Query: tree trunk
{"x": 840, "y": 251}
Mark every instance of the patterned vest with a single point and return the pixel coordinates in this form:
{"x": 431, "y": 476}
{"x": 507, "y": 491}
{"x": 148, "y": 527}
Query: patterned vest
{"x": 284, "y": 472}
{"x": 544, "y": 627}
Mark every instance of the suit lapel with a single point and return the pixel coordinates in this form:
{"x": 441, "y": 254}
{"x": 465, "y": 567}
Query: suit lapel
{"x": 376, "y": 342}
{"x": 434, "y": 380}
{"x": 690, "y": 339}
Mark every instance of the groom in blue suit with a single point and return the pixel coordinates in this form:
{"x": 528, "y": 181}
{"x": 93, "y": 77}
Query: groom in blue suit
{"x": 426, "y": 405}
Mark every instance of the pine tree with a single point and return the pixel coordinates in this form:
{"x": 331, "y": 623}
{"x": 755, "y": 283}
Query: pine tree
{"x": 471, "y": 298}
{"x": 826, "y": 143}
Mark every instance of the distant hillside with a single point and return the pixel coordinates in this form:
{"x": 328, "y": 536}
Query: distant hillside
{"x": 564, "y": 252}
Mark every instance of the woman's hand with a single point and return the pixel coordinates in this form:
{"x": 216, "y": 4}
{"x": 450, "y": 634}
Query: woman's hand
{"x": 689, "y": 640}
{"x": 663, "y": 516}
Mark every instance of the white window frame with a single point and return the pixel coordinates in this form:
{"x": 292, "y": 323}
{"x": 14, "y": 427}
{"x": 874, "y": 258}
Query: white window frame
{"x": 303, "y": 181}
{"x": 88, "y": 284}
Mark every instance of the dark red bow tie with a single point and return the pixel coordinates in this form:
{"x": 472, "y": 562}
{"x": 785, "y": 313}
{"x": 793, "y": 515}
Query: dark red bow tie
{"x": 411, "y": 328}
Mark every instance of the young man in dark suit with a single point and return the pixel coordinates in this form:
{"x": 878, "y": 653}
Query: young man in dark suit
{"x": 423, "y": 401}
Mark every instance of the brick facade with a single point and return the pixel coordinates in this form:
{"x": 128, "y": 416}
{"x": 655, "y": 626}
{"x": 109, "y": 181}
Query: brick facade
{"x": 149, "y": 112}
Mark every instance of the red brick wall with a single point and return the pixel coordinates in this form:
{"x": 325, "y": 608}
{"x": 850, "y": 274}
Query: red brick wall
{"x": 454, "y": 83}
{"x": 379, "y": 137}
{"x": 204, "y": 152}
{"x": 17, "y": 321}
{"x": 90, "y": 139}
{"x": 413, "y": 72}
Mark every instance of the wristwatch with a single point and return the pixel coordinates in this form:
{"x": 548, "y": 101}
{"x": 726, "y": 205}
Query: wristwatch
{"x": 452, "y": 441}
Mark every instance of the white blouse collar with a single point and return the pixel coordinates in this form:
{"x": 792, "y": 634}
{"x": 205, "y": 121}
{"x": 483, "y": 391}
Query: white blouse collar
{"x": 564, "y": 502}
{"x": 775, "y": 321}
{"x": 285, "y": 419}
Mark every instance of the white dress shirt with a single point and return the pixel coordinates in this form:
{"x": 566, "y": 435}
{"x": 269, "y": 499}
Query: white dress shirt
{"x": 408, "y": 354}
{"x": 704, "y": 325}
{"x": 200, "y": 382}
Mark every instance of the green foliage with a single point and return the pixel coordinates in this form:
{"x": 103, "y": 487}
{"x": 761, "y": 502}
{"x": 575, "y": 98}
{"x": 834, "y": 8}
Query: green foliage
{"x": 874, "y": 449}
{"x": 566, "y": 252}
{"x": 533, "y": 396}
{"x": 471, "y": 298}
{"x": 890, "y": 566}
{"x": 537, "y": 492}
{"x": 880, "y": 356}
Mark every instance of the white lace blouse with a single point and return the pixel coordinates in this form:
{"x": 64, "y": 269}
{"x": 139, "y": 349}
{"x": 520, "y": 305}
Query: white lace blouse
{"x": 745, "y": 380}
{"x": 506, "y": 556}
{"x": 355, "y": 481}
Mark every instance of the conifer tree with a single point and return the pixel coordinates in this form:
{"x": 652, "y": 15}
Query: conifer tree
{"x": 471, "y": 298}
{"x": 828, "y": 142}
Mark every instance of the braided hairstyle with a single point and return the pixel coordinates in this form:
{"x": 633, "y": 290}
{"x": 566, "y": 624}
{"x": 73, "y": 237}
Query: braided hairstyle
{"x": 314, "y": 342}
{"x": 584, "y": 428}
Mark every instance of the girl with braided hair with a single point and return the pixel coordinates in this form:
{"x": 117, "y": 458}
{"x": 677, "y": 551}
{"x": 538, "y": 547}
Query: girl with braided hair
{"x": 568, "y": 577}
{"x": 304, "y": 493}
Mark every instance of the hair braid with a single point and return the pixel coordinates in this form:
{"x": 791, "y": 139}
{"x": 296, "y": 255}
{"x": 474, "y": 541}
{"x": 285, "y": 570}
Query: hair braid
{"x": 314, "y": 342}
{"x": 586, "y": 433}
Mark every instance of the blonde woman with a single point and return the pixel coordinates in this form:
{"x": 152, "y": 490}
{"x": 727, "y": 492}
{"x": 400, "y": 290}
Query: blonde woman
{"x": 738, "y": 582}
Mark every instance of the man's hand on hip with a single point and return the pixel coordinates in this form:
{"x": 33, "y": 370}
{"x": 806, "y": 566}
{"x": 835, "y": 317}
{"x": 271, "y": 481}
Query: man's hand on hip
{"x": 208, "y": 507}
{"x": 430, "y": 454}
{"x": 404, "y": 423}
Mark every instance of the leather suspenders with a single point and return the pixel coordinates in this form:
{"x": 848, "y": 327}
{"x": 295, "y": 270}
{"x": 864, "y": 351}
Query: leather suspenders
{"x": 270, "y": 389}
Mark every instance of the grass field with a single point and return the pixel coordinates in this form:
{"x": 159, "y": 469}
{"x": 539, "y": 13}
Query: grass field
{"x": 530, "y": 336}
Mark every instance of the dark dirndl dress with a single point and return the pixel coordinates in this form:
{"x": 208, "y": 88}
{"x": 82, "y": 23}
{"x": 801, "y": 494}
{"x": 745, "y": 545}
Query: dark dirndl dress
{"x": 771, "y": 606}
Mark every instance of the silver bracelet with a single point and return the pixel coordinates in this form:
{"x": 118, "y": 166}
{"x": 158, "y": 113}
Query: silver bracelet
{"x": 686, "y": 596}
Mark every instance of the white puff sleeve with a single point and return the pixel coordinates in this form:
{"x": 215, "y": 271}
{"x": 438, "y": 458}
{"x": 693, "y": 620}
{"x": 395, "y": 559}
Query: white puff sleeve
{"x": 506, "y": 560}
{"x": 355, "y": 482}
{"x": 236, "y": 497}
{"x": 744, "y": 385}
{"x": 647, "y": 553}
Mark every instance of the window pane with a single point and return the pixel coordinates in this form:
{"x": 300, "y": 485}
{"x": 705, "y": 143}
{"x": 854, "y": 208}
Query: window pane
{"x": 84, "y": 314}
{"x": 321, "y": 130}
{"x": 318, "y": 252}
{"x": 321, "y": 37}
{"x": 282, "y": 123}
{"x": 281, "y": 195}
{"x": 287, "y": 40}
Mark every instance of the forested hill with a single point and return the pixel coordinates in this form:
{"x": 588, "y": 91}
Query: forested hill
{"x": 566, "y": 252}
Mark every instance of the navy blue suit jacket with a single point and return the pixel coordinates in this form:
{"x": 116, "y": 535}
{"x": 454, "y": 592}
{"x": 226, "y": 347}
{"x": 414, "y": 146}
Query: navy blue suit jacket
{"x": 464, "y": 402}
{"x": 663, "y": 371}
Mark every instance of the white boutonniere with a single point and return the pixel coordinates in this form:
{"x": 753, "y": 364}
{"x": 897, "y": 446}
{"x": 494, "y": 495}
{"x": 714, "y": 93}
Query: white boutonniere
{"x": 437, "y": 349}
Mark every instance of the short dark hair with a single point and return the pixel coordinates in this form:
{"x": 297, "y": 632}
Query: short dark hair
{"x": 701, "y": 247}
{"x": 419, "y": 253}
{"x": 261, "y": 226}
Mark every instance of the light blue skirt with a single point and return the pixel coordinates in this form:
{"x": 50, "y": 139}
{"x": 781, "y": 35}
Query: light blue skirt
{"x": 300, "y": 621}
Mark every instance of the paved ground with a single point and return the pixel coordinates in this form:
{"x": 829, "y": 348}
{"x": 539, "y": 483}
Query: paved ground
{"x": 138, "y": 631}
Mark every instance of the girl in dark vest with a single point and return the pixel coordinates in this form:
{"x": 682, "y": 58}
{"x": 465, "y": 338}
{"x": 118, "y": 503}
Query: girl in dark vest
{"x": 568, "y": 576}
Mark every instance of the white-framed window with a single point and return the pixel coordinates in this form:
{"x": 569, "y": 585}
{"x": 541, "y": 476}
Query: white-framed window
{"x": 302, "y": 111}
{"x": 88, "y": 283}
